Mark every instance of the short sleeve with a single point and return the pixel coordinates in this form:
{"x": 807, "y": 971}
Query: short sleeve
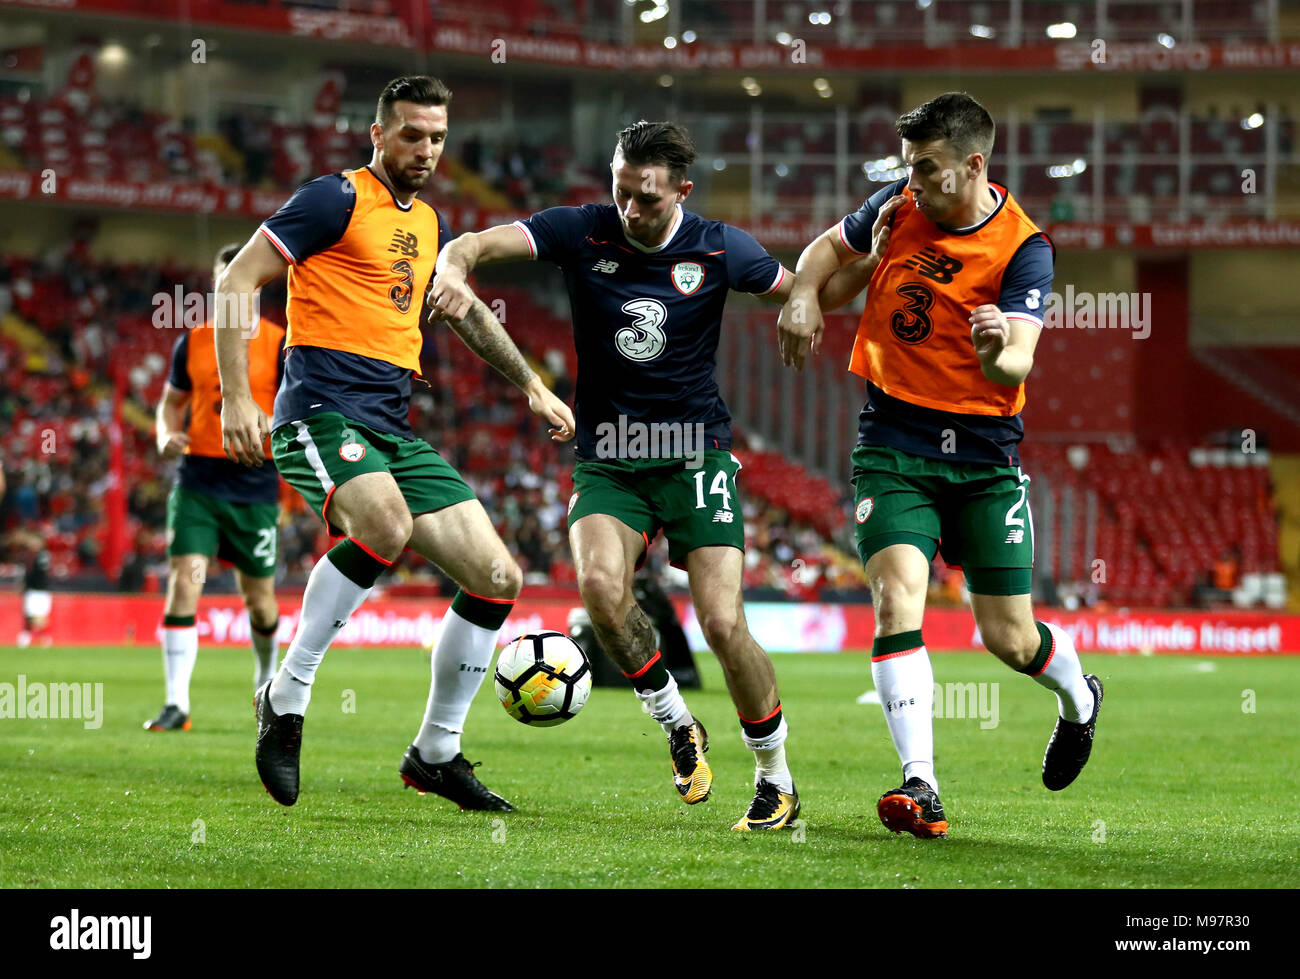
{"x": 1027, "y": 281}
{"x": 445, "y": 234}
{"x": 557, "y": 232}
{"x": 315, "y": 217}
{"x": 749, "y": 267}
{"x": 179, "y": 375}
{"x": 855, "y": 229}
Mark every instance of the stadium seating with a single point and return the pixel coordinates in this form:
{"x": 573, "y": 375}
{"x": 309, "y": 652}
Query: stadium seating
{"x": 1165, "y": 514}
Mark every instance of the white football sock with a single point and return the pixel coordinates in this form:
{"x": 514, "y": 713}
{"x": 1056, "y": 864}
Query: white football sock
{"x": 265, "y": 649}
{"x": 180, "y": 652}
{"x": 1063, "y": 675}
{"x": 905, "y": 683}
{"x": 327, "y": 604}
{"x": 461, "y": 660}
{"x": 666, "y": 706}
{"x": 769, "y": 757}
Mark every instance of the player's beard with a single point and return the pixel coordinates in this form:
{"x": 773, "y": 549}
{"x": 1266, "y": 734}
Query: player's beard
{"x": 401, "y": 179}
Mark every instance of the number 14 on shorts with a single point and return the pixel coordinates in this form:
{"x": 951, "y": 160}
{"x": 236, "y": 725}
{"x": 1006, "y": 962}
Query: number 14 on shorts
{"x": 718, "y": 487}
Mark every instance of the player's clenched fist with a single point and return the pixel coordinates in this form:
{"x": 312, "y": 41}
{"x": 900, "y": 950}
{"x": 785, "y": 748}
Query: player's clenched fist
{"x": 173, "y": 446}
{"x": 243, "y": 430}
{"x": 450, "y": 297}
{"x": 990, "y": 331}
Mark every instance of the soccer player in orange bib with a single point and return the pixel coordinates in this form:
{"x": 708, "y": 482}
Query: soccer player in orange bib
{"x": 216, "y": 507}
{"x": 360, "y": 251}
{"x": 958, "y": 275}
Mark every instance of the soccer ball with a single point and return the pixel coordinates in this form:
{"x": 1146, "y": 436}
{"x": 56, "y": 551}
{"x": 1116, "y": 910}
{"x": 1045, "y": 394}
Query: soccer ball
{"x": 543, "y": 678}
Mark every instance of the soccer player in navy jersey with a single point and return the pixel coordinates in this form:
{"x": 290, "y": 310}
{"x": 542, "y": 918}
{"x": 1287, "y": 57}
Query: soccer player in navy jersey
{"x": 647, "y": 282}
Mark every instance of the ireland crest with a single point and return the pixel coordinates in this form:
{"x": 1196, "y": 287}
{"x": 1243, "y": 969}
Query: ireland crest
{"x": 687, "y": 277}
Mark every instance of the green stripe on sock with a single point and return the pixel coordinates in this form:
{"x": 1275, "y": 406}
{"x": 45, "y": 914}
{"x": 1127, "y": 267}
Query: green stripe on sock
{"x": 479, "y": 611}
{"x": 355, "y": 564}
{"x": 888, "y": 645}
{"x": 178, "y": 621}
{"x": 1036, "y": 665}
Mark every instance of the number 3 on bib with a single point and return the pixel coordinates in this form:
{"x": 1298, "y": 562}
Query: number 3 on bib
{"x": 717, "y": 487}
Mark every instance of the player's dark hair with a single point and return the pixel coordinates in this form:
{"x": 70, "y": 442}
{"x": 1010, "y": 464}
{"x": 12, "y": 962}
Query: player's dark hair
{"x": 420, "y": 89}
{"x": 953, "y": 116}
{"x": 656, "y": 144}
{"x": 228, "y": 252}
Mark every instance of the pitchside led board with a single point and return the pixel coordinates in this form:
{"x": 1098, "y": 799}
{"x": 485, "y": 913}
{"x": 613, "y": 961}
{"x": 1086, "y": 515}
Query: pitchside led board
{"x": 808, "y": 627}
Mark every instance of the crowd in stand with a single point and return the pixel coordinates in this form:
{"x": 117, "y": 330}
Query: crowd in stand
{"x": 78, "y": 320}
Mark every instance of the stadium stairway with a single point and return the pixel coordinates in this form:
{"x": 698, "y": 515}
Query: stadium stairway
{"x": 474, "y": 186}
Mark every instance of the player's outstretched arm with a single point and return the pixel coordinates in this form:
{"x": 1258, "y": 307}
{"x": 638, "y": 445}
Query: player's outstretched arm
{"x": 169, "y": 422}
{"x": 800, "y": 324}
{"x": 483, "y": 333}
{"x": 827, "y": 275}
{"x": 244, "y": 425}
{"x": 450, "y": 296}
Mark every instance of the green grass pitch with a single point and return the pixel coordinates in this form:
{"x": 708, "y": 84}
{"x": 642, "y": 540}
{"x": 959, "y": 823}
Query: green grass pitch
{"x": 1185, "y": 788}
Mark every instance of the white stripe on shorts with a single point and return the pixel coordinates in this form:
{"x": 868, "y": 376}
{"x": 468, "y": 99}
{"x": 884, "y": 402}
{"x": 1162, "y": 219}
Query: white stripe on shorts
{"x": 313, "y": 456}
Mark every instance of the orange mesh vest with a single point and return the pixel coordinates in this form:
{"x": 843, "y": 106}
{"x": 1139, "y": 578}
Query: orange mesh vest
{"x": 205, "y": 397}
{"x": 363, "y": 294}
{"x": 914, "y": 339}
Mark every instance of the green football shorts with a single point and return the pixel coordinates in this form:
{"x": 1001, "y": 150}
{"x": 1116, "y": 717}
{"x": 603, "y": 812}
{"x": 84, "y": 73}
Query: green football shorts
{"x": 319, "y": 454}
{"x": 976, "y": 516}
{"x": 693, "y": 507}
{"x": 243, "y": 534}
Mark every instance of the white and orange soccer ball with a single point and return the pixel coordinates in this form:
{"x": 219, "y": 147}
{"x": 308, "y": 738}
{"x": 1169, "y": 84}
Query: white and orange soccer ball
{"x": 543, "y": 678}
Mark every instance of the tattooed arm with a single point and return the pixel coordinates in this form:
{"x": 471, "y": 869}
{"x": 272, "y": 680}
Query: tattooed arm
{"x": 483, "y": 333}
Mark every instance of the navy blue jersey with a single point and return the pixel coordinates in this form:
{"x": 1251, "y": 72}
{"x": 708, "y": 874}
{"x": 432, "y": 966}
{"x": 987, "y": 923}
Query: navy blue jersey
{"x": 217, "y": 477}
{"x": 646, "y": 321}
{"x": 370, "y": 392}
{"x": 1026, "y": 284}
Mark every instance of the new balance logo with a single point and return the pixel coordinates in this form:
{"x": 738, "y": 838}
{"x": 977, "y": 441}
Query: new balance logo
{"x": 723, "y": 516}
{"x": 340, "y": 623}
{"x": 606, "y": 266}
{"x": 405, "y": 242}
{"x": 934, "y": 265}
{"x": 1016, "y": 536}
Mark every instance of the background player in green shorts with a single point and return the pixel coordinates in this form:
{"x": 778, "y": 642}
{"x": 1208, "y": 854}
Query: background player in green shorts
{"x": 217, "y": 507}
{"x": 958, "y": 277}
{"x": 647, "y": 282}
